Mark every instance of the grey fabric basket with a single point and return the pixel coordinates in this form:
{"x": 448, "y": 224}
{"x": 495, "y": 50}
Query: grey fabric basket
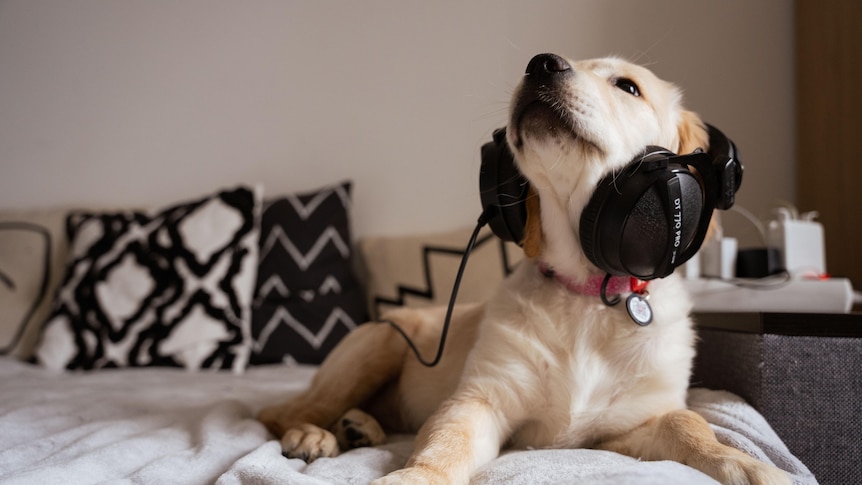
{"x": 809, "y": 389}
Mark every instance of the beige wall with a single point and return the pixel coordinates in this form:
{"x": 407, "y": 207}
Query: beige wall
{"x": 121, "y": 103}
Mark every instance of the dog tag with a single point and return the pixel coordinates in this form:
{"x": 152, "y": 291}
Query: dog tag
{"x": 639, "y": 309}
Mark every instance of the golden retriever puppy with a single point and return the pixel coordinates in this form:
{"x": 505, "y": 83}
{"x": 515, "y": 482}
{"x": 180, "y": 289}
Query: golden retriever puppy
{"x": 538, "y": 365}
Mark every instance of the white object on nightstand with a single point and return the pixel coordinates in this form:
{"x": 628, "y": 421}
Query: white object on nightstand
{"x": 800, "y": 240}
{"x": 718, "y": 258}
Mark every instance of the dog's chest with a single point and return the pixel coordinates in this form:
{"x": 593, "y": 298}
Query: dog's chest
{"x": 596, "y": 373}
{"x": 587, "y": 391}
{"x": 568, "y": 371}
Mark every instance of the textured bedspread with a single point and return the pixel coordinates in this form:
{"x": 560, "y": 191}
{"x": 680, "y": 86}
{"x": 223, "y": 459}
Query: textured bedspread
{"x": 156, "y": 426}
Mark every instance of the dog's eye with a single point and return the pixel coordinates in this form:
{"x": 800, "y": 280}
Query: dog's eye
{"x": 627, "y": 85}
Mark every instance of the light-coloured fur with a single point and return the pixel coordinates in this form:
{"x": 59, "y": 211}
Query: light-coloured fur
{"x": 537, "y": 365}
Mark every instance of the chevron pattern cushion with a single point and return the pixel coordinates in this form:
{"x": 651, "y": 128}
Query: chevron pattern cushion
{"x": 170, "y": 288}
{"x": 307, "y": 297}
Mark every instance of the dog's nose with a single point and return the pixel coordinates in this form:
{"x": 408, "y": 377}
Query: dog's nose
{"x": 546, "y": 65}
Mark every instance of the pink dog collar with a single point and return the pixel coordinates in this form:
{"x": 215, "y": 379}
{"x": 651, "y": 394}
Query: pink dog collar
{"x": 617, "y": 285}
{"x": 637, "y": 304}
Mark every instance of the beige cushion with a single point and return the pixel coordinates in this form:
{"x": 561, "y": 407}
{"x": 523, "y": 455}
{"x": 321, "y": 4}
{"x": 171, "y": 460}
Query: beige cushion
{"x": 32, "y": 256}
{"x": 419, "y": 270}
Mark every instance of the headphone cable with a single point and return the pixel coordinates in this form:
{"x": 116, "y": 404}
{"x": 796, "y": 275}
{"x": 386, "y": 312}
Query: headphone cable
{"x": 480, "y": 223}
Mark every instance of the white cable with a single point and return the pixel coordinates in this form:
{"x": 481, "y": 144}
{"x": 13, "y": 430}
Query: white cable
{"x": 751, "y": 218}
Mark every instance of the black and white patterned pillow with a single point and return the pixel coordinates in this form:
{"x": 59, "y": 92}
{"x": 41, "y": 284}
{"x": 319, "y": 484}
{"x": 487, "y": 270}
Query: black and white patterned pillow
{"x": 308, "y": 297}
{"x": 171, "y": 288}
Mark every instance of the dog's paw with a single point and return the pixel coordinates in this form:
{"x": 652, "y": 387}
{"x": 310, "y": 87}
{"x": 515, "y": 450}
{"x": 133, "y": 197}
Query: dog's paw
{"x": 413, "y": 476}
{"x": 742, "y": 469}
{"x": 356, "y": 428}
{"x": 308, "y": 442}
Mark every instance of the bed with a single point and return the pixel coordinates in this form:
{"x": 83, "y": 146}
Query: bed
{"x": 139, "y": 345}
{"x": 164, "y": 425}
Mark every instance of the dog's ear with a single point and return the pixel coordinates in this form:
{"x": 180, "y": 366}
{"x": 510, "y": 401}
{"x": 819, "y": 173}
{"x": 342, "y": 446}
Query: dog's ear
{"x": 692, "y": 133}
{"x": 532, "y": 242}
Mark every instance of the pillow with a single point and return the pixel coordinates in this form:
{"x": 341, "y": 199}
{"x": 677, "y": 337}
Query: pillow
{"x": 308, "y": 297}
{"x": 419, "y": 270}
{"x": 170, "y": 288}
{"x": 32, "y": 252}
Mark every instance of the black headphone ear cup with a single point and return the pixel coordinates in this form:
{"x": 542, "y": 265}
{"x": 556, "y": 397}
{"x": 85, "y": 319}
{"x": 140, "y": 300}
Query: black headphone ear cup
{"x": 503, "y": 190}
{"x": 727, "y": 168}
{"x": 618, "y": 226}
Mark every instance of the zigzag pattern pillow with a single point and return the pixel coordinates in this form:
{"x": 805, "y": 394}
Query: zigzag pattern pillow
{"x": 419, "y": 270}
{"x": 172, "y": 288}
{"x": 308, "y": 297}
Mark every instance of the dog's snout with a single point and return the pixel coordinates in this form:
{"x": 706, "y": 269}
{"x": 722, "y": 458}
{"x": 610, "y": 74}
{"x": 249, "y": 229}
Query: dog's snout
{"x": 542, "y": 102}
{"x": 547, "y": 65}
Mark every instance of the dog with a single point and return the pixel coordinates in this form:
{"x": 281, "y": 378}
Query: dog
{"x": 537, "y": 365}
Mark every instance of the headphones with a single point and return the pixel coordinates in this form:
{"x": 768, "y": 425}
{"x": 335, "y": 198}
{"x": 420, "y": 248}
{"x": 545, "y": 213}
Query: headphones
{"x": 643, "y": 220}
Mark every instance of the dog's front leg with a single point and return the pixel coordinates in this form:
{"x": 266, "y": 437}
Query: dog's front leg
{"x": 684, "y": 436}
{"x": 463, "y": 434}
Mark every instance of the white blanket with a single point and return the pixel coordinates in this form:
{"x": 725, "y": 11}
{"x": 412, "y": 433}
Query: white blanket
{"x": 154, "y": 426}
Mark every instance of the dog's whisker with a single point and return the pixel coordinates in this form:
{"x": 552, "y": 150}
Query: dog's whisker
{"x": 556, "y": 163}
{"x": 616, "y": 175}
{"x": 492, "y": 114}
{"x": 514, "y": 45}
{"x": 646, "y": 52}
